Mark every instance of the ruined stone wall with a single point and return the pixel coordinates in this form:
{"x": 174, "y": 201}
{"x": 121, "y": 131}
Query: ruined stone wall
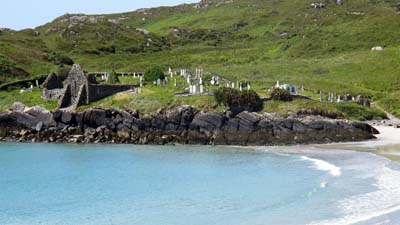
{"x": 97, "y": 92}
{"x": 52, "y": 94}
{"x": 66, "y": 98}
{"x": 76, "y": 78}
{"x": 83, "y": 98}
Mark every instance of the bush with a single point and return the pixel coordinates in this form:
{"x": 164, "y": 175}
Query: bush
{"x": 113, "y": 78}
{"x": 321, "y": 112}
{"x": 109, "y": 49}
{"x": 60, "y": 59}
{"x": 238, "y": 100}
{"x": 281, "y": 95}
{"x": 359, "y": 112}
{"x": 154, "y": 73}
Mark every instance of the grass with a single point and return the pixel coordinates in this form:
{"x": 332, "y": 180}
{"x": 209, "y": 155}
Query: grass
{"x": 351, "y": 111}
{"x": 152, "y": 99}
{"x": 28, "y": 98}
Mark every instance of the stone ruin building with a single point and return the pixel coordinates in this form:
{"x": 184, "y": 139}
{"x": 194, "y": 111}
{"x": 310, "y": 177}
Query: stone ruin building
{"x": 78, "y": 89}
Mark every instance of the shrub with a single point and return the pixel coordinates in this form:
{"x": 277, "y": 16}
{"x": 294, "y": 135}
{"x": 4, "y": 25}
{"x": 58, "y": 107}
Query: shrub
{"x": 154, "y": 73}
{"x": 281, "y": 95}
{"x": 238, "y": 100}
{"x": 113, "y": 78}
{"x": 109, "y": 49}
{"x": 321, "y": 112}
{"x": 60, "y": 59}
{"x": 359, "y": 112}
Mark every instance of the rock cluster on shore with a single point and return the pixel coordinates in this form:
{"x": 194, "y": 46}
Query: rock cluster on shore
{"x": 183, "y": 125}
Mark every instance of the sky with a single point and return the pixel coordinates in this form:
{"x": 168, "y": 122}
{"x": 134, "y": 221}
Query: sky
{"x": 21, "y": 14}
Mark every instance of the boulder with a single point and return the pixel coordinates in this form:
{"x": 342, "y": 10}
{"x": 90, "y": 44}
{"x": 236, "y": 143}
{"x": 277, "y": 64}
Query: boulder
{"x": 92, "y": 118}
{"x": 17, "y": 120}
{"x": 18, "y": 106}
{"x": 248, "y": 121}
{"x": 41, "y": 114}
{"x": 67, "y": 117}
{"x": 377, "y": 49}
{"x": 207, "y": 121}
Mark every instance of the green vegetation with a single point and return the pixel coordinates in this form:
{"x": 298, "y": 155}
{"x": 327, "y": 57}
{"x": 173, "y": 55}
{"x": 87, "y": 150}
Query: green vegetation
{"x": 60, "y": 59}
{"x": 238, "y": 100}
{"x": 154, "y": 73}
{"x": 281, "y": 95}
{"x": 113, "y": 78}
{"x": 62, "y": 71}
{"x": 334, "y": 110}
{"x": 30, "y": 98}
{"x": 259, "y": 41}
{"x": 152, "y": 99}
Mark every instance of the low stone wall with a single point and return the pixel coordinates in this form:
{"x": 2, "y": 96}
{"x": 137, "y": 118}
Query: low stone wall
{"x": 22, "y": 83}
{"x": 184, "y": 125}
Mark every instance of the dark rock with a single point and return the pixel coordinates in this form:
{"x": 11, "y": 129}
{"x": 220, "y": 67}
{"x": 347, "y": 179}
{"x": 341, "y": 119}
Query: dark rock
{"x": 67, "y": 117}
{"x": 207, "y": 121}
{"x": 93, "y": 118}
{"x": 184, "y": 125}
{"x": 248, "y": 121}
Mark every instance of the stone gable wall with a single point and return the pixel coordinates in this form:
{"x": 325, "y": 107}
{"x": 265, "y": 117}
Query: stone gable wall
{"x": 52, "y": 82}
{"x": 76, "y": 78}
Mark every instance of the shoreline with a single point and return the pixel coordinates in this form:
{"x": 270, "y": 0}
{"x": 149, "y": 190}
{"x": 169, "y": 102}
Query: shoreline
{"x": 386, "y": 144}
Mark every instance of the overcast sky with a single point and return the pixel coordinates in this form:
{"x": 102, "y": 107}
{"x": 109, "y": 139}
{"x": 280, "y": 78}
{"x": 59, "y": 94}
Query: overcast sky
{"x": 20, "y": 14}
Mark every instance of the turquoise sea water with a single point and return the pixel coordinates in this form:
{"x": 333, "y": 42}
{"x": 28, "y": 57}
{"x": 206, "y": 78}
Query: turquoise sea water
{"x": 153, "y": 185}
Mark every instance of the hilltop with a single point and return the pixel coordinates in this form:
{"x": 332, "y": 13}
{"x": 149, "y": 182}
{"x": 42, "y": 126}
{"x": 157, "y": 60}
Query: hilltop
{"x": 261, "y": 41}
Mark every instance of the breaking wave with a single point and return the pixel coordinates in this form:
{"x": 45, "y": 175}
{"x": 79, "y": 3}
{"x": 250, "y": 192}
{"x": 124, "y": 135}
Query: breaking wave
{"x": 373, "y": 205}
{"x": 324, "y": 166}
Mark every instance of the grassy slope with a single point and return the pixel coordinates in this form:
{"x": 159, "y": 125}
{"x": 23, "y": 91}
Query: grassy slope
{"x": 327, "y": 49}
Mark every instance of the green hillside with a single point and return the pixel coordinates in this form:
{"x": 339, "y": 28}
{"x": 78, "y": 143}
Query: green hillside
{"x": 262, "y": 41}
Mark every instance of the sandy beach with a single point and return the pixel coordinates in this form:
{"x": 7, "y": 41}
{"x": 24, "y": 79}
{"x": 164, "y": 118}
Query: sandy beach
{"x": 387, "y": 144}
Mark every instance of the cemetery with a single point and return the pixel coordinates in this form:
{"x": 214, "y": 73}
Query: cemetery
{"x": 175, "y": 87}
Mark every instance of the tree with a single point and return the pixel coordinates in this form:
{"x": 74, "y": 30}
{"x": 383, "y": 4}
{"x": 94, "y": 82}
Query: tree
{"x": 281, "y": 95}
{"x": 113, "y": 78}
{"x": 239, "y": 100}
{"x": 154, "y": 73}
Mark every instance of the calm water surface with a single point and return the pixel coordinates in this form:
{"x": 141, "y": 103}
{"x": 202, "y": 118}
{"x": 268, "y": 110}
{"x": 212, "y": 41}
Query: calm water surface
{"x": 153, "y": 185}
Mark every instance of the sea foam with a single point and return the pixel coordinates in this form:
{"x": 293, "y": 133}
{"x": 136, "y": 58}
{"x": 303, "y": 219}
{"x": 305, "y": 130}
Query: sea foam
{"x": 368, "y": 206}
{"x": 324, "y": 166}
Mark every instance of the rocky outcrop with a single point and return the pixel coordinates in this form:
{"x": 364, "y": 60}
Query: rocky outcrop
{"x": 183, "y": 125}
